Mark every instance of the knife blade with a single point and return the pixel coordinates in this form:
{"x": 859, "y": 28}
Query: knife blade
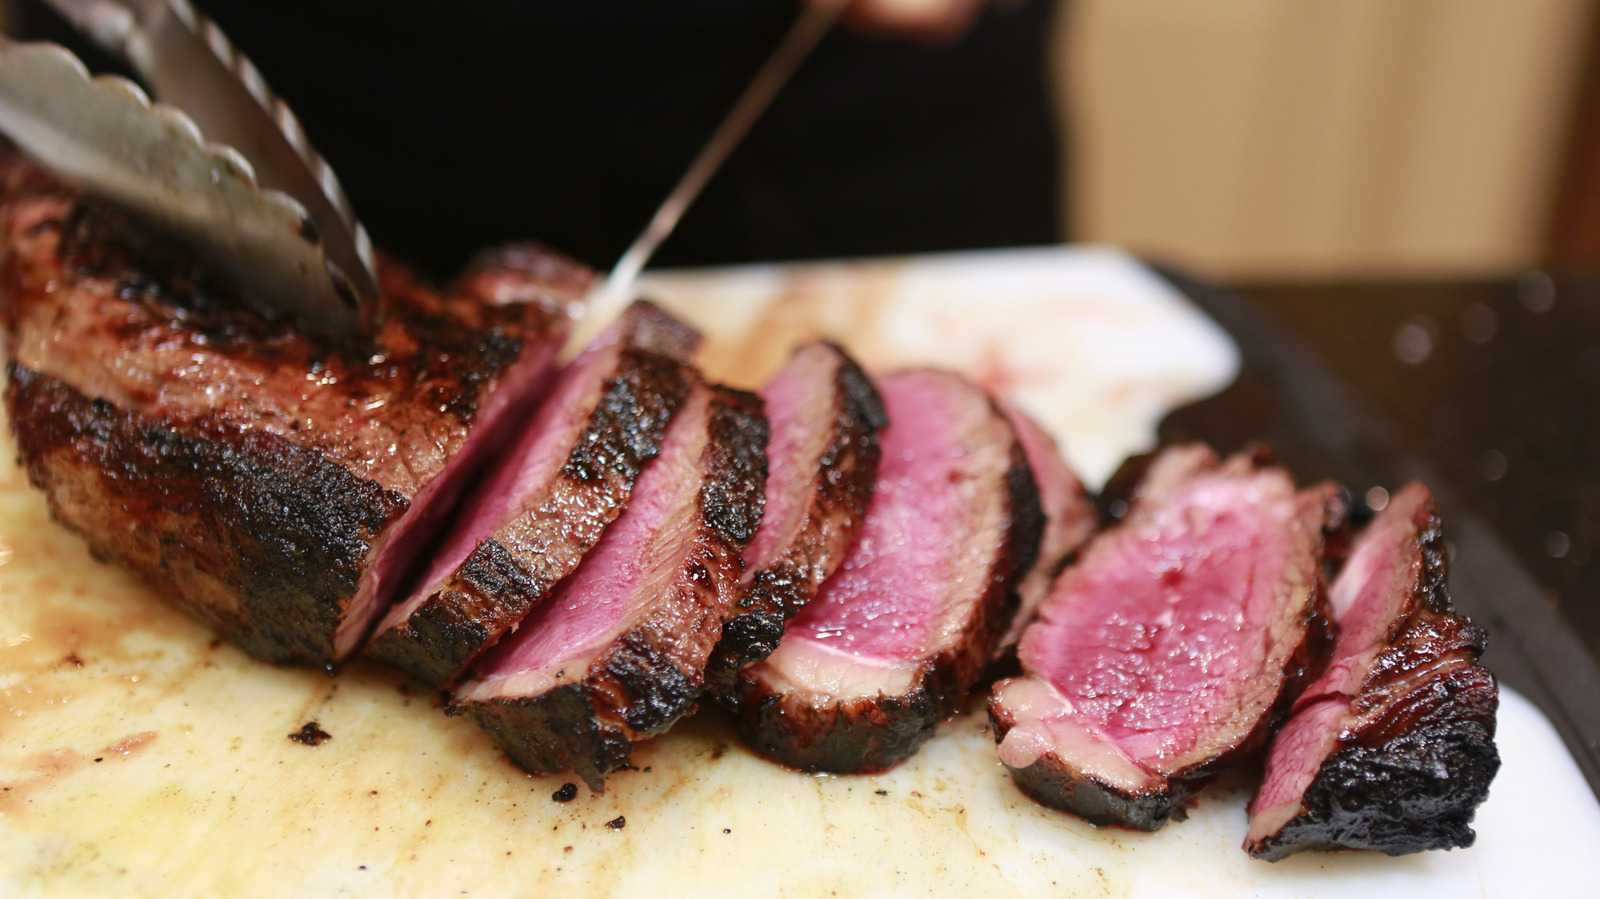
{"x": 189, "y": 63}
{"x": 606, "y": 299}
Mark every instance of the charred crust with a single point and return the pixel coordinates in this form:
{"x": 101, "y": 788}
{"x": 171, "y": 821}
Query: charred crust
{"x": 651, "y": 676}
{"x": 275, "y": 527}
{"x": 1413, "y": 790}
{"x": 861, "y": 737}
{"x": 655, "y": 690}
{"x": 1320, "y": 630}
{"x": 842, "y": 489}
{"x": 626, "y": 428}
{"x": 557, "y": 731}
{"x": 1311, "y": 658}
{"x": 1417, "y": 755}
{"x": 860, "y": 404}
{"x": 734, "y": 496}
{"x": 864, "y": 735}
{"x": 509, "y": 574}
{"x": 361, "y": 423}
{"x": 1052, "y": 783}
{"x": 1027, "y": 521}
{"x": 1434, "y": 587}
{"x": 447, "y": 630}
{"x": 636, "y": 691}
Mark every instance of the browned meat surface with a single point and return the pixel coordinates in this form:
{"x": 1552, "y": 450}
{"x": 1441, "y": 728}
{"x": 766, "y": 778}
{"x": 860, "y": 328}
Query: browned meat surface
{"x": 619, "y": 652}
{"x": 898, "y": 636}
{"x": 272, "y": 485}
{"x": 564, "y": 477}
{"x": 1168, "y": 649}
{"x": 825, "y": 416}
{"x": 1392, "y": 748}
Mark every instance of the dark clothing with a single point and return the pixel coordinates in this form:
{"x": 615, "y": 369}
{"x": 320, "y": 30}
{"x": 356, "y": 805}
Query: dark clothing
{"x": 454, "y": 126}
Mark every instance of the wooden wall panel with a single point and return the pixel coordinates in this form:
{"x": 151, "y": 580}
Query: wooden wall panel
{"x": 1285, "y": 138}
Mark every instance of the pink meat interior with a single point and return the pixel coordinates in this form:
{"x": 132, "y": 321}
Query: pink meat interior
{"x": 799, "y": 403}
{"x": 1297, "y": 754}
{"x": 520, "y": 391}
{"x": 891, "y": 591}
{"x": 1370, "y": 593}
{"x": 1060, "y": 492}
{"x": 1069, "y": 517}
{"x": 530, "y": 459}
{"x": 1368, "y": 596}
{"x": 1166, "y": 620}
{"x": 617, "y": 580}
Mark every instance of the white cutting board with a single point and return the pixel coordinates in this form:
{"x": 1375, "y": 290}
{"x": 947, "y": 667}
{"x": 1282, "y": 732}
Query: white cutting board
{"x": 138, "y": 757}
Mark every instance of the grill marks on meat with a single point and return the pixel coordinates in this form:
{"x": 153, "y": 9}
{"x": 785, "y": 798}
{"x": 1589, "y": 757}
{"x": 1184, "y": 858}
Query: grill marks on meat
{"x": 1166, "y": 650}
{"x": 618, "y": 653}
{"x": 271, "y": 484}
{"x": 896, "y": 638}
{"x": 238, "y": 532}
{"x": 823, "y": 459}
{"x": 563, "y": 480}
{"x": 1391, "y": 749}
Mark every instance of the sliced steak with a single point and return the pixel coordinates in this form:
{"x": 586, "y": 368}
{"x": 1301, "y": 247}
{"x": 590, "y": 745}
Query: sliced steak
{"x": 1392, "y": 748}
{"x": 1166, "y": 650}
{"x": 619, "y": 653}
{"x": 895, "y": 639}
{"x": 825, "y": 417}
{"x": 1069, "y": 514}
{"x": 273, "y": 485}
{"x": 565, "y": 478}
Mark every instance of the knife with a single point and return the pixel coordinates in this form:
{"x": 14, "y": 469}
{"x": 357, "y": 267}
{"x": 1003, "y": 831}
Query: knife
{"x": 259, "y": 204}
{"x": 606, "y": 299}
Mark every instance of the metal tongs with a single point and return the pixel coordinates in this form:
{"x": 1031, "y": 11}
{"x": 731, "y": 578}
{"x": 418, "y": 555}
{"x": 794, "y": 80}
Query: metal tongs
{"x": 251, "y": 197}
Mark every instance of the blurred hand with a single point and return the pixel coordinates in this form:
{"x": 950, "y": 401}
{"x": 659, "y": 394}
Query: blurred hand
{"x": 932, "y": 20}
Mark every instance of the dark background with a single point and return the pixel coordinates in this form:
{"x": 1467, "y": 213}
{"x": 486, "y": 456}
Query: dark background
{"x": 570, "y": 121}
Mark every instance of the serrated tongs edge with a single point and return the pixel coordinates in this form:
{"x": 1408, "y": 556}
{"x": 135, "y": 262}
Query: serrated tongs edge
{"x": 106, "y": 136}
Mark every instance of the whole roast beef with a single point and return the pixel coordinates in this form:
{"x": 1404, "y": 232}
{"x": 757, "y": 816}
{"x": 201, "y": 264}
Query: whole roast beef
{"x": 1392, "y": 748}
{"x": 619, "y": 652}
{"x": 275, "y": 486}
{"x": 1166, "y": 650}
{"x": 896, "y": 638}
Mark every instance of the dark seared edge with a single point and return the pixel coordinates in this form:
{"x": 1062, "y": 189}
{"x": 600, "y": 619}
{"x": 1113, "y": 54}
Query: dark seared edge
{"x": 1050, "y": 782}
{"x": 843, "y": 487}
{"x": 1416, "y": 790}
{"x": 1411, "y": 773}
{"x": 260, "y": 539}
{"x": 1311, "y": 656}
{"x": 866, "y": 736}
{"x": 218, "y": 405}
{"x": 653, "y": 674}
{"x": 859, "y": 737}
{"x": 734, "y": 496}
{"x": 514, "y": 570}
